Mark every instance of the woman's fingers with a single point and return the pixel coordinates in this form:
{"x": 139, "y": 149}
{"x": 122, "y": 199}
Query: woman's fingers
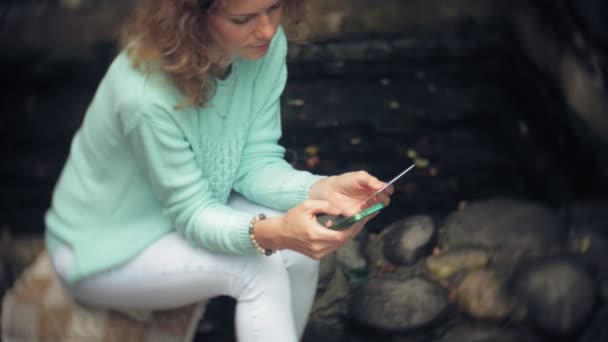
{"x": 368, "y": 181}
{"x": 321, "y": 207}
{"x": 384, "y": 198}
{"x": 331, "y": 240}
{"x": 315, "y": 240}
{"x": 389, "y": 190}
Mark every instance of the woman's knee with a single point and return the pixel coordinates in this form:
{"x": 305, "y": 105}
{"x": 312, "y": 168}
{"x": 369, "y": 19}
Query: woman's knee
{"x": 267, "y": 273}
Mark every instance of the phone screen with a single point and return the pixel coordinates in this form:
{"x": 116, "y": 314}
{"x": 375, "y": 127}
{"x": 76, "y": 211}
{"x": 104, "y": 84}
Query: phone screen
{"x": 341, "y": 222}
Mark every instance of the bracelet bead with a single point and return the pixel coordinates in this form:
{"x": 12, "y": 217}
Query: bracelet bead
{"x": 259, "y": 249}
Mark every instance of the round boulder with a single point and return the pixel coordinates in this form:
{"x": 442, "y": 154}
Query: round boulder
{"x": 445, "y": 265}
{"x": 482, "y": 295}
{"x": 504, "y": 223}
{"x": 558, "y": 293}
{"x": 327, "y": 270}
{"x": 392, "y": 305}
{"x": 587, "y": 216}
{"x": 598, "y": 329}
{"x": 409, "y": 239}
{"x": 5, "y": 279}
{"x": 478, "y": 332}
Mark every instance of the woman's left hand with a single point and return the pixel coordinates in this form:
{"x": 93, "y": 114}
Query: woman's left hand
{"x": 348, "y": 191}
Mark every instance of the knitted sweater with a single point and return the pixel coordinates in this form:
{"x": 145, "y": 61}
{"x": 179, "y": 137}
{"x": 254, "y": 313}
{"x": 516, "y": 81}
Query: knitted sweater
{"x": 138, "y": 168}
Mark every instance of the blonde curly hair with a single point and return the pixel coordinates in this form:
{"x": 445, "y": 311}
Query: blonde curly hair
{"x": 171, "y": 34}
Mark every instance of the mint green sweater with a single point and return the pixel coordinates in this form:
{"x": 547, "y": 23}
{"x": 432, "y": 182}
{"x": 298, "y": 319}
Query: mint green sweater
{"x": 138, "y": 169}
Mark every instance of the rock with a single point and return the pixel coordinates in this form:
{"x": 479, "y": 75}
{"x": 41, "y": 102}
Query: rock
{"x": 410, "y": 338}
{"x": 444, "y": 266}
{"x": 587, "y": 222}
{"x": 321, "y": 332}
{"x": 597, "y": 329}
{"x": 330, "y": 307}
{"x": 373, "y": 251}
{"x": 586, "y": 216}
{"x": 20, "y": 252}
{"x": 593, "y": 250}
{"x": 409, "y": 239}
{"x": 40, "y": 26}
{"x": 557, "y": 37}
{"x": 559, "y": 295}
{"x": 6, "y": 279}
{"x": 594, "y": 16}
{"x": 484, "y": 333}
{"x": 504, "y": 223}
{"x": 350, "y": 256}
{"x": 392, "y": 305}
{"x": 482, "y": 295}
{"x": 327, "y": 269}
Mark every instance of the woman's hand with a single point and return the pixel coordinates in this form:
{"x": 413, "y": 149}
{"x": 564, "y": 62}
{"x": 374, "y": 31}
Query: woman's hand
{"x": 299, "y": 230}
{"x": 348, "y": 191}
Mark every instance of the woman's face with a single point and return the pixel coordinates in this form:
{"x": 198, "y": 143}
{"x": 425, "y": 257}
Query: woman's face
{"x": 244, "y": 28}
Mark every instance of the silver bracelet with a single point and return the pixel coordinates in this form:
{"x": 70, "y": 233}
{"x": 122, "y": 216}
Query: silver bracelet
{"x": 263, "y": 251}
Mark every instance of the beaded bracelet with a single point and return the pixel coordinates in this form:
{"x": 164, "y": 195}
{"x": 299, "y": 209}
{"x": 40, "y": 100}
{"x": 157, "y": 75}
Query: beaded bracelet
{"x": 263, "y": 251}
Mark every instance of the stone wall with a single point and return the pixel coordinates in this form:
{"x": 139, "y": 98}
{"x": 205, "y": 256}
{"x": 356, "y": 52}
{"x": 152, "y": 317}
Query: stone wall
{"x": 566, "y": 44}
{"x": 79, "y": 28}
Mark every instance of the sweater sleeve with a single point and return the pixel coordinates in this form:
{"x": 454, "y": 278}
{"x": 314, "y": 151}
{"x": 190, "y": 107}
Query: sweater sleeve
{"x": 163, "y": 153}
{"x": 264, "y": 176}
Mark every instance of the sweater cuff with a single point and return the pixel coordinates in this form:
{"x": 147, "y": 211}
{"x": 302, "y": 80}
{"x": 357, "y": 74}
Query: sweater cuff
{"x": 303, "y": 193}
{"x": 223, "y": 229}
{"x": 242, "y": 237}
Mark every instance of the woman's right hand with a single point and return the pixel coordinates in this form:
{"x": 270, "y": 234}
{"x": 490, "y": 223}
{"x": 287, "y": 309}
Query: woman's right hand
{"x": 299, "y": 230}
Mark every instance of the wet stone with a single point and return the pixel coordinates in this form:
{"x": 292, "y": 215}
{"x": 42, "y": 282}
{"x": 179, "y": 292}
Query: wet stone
{"x": 392, "y": 305}
{"x": 597, "y": 329}
{"x": 504, "y": 223}
{"x": 350, "y": 256}
{"x": 409, "y": 239}
{"x": 558, "y": 293}
{"x": 5, "y": 278}
{"x": 589, "y": 216}
{"x": 373, "y": 252}
{"x": 588, "y": 237}
{"x": 327, "y": 269}
{"x": 329, "y": 308}
{"x": 593, "y": 250}
{"x": 478, "y": 332}
{"x": 482, "y": 295}
{"x": 444, "y": 266}
{"x": 594, "y": 15}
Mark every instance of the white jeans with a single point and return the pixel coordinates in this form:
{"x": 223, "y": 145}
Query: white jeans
{"x": 274, "y": 294}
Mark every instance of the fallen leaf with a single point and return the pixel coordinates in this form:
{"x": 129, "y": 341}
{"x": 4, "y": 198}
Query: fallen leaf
{"x": 412, "y": 154}
{"x": 393, "y": 104}
{"x": 422, "y": 162}
{"x": 312, "y": 150}
{"x": 295, "y": 102}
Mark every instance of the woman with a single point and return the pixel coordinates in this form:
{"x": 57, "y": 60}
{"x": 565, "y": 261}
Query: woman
{"x": 159, "y": 202}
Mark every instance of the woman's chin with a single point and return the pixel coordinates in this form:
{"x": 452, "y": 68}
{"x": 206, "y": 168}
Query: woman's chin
{"x": 254, "y": 53}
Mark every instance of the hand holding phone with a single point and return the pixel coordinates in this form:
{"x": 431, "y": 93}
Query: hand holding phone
{"x": 340, "y": 222}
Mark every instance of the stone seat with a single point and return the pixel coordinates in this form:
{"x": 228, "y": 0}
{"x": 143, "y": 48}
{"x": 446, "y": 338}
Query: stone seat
{"x": 38, "y": 309}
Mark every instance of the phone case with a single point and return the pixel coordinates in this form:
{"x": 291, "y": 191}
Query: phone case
{"x": 341, "y": 222}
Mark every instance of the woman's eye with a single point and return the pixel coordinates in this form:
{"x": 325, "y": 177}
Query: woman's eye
{"x": 240, "y": 21}
{"x": 276, "y": 6}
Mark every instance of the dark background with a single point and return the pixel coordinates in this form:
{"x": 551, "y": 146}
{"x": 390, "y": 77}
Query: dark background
{"x": 490, "y": 98}
{"x": 480, "y": 91}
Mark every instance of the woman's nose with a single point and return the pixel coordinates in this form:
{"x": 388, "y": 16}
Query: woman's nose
{"x": 265, "y": 29}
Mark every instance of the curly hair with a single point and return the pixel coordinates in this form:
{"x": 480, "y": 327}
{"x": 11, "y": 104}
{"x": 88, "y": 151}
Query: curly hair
{"x": 171, "y": 34}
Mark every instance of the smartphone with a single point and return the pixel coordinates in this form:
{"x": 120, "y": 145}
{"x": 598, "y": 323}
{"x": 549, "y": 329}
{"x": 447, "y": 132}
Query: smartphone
{"x": 340, "y": 222}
